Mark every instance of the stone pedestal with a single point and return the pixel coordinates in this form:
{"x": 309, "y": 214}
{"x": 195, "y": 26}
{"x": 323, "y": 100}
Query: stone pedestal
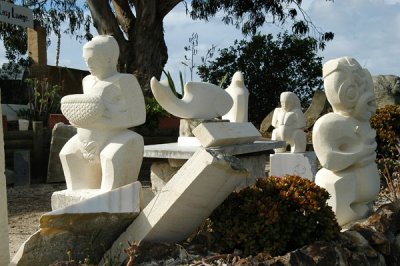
{"x": 65, "y": 198}
{"x": 301, "y": 164}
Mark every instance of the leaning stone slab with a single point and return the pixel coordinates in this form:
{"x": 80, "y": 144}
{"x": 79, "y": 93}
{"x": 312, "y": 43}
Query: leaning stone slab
{"x": 87, "y": 228}
{"x": 225, "y": 133}
{"x": 202, "y": 183}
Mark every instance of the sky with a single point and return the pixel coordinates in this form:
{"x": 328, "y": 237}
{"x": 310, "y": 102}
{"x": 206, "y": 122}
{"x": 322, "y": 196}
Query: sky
{"x": 368, "y": 30}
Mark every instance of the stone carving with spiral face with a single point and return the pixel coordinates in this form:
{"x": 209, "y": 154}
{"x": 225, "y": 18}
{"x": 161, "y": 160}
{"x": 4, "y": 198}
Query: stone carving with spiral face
{"x": 103, "y": 154}
{"x": 344, "y": 141}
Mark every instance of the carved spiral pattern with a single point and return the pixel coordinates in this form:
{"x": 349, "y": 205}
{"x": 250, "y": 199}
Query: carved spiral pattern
{"x": 81, "y": 109}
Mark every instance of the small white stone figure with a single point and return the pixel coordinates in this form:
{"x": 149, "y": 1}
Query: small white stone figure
{"x": 345, "y": 142}
{"x": 240, "y": 96}
{"x": 289, "y": 123}
{"x": 201, "y": 100}
{"x": 103, "y": 154}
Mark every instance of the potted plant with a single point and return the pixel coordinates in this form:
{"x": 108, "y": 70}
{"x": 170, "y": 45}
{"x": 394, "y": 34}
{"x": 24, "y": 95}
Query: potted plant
{"x": 45, "y": 101}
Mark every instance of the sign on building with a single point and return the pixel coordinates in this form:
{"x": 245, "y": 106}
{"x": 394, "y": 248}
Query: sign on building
{"x": 17, "y": 15}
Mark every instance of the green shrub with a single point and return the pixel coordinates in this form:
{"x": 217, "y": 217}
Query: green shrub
{"x": 275, "y": 215}
{"x": 386, "y": 122}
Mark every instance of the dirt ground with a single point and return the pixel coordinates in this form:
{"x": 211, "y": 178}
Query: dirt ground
{"x": 25, "y": 206}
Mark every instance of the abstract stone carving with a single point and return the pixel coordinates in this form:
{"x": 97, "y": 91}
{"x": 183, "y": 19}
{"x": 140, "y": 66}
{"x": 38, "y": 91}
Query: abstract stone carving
{"x": 289, "y": 123}
{"x": 345, "y": 142}
{"x": 201, "y": 100}
{"x": 240, "y": 96}
{"x": 103, "y": 154}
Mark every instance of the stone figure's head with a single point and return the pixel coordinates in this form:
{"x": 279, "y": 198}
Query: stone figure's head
{"x": 349, "y": 88}
{"x": 289, "y": 101}
{"x": 101, "y": 56}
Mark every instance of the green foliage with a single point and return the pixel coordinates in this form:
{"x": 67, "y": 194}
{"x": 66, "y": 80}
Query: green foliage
{"x": 153, "y": 112}
{"x": 276, "y": 215}
{"x": 50, "y": 15}
{"x": 251, "y": 15}
{"x": 288, "y": 63}
{"x": 44, "y": 99}
{"x": 172, "y": 84}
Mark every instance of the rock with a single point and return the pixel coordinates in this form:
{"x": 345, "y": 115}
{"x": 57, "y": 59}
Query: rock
{"x": 387, "y": 90}
{"x": 87, "y": 235}
{"x": 148, "y": 251}
{"x": 87, "y": 228}
{"x": 60, "y": 135}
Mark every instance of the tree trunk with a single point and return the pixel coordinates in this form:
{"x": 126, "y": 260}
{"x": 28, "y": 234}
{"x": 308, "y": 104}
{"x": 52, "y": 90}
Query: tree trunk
{"x": 149, "y": 49}
{"x": 140, "y": 34}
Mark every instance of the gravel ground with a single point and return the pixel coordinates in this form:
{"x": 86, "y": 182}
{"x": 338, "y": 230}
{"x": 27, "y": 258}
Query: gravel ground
{"x": 25, "y": 206}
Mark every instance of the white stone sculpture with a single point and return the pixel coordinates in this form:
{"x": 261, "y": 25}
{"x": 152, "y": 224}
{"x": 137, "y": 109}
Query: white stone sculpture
{"x": 345, "y": 142}
{"x": 4, "y": 247}
{"x": 240, "y": 96}
{"x": 103, "y": 154}
{"x": 201, "y": 100}
{"x": 289, "y": 123}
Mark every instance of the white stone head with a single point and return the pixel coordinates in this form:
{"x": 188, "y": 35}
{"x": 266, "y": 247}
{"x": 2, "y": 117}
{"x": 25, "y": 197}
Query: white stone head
{"x": 349, "y": 88}
{"x": 289, "y": 101}
{"x": 101, "y": 56}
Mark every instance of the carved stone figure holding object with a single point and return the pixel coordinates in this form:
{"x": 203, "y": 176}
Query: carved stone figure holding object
{"x": 103, "y": 154}
{"x": 345, "y": 142}
{"x": 289, "y": 123}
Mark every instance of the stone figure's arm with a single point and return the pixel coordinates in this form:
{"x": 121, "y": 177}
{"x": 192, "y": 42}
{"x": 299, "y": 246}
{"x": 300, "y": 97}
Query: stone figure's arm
{"x": 300, "y": 120}
{"x": 275, "y": 117}
{"x": 335, "y": 143}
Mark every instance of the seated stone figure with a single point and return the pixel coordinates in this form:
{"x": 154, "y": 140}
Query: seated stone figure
{"x": 344, "y": 141}
{"x": 103, "y": 154}
{"x": 289, "y": 123}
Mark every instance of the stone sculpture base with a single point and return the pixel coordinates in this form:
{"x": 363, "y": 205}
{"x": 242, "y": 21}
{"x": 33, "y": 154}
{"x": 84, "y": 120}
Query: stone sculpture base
{"x": 301, "y": 164}
{"x": 64, "y": 198}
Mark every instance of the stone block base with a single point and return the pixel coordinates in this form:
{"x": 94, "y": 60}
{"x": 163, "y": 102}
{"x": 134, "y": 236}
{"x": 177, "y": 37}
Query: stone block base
{"x": 301, "y": 164}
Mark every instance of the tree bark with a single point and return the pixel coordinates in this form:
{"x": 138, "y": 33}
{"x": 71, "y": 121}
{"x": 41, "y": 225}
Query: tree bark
{"x": 140, "y": 34}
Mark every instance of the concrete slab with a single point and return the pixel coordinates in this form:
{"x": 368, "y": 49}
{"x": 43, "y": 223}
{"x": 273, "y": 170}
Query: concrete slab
{"x": 225, "y": 133}
{"x": 176, "y": 151}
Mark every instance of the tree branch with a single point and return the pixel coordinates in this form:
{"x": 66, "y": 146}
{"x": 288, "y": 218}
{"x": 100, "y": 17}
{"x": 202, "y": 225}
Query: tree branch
{"x": 104, "y": 20}
{"x": 125, "y": 17}
{"x": 166, "y": 6}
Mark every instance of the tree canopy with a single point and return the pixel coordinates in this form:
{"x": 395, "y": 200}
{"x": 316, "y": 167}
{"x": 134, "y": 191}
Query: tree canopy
{"x": 138, "y": 25}
{"x": 270, "y": 66}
